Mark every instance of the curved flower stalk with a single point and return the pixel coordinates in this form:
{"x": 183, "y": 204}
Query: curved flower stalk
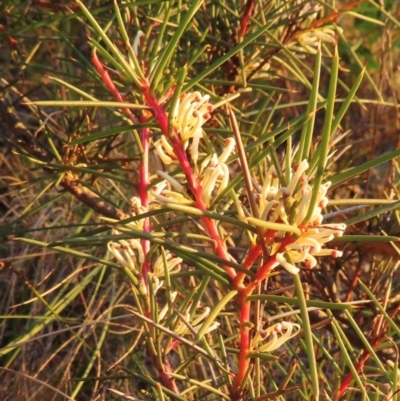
{"x": 190, "y": 112}
{"x": 290, "y": 205}
{"x": 173, "y": 264}
{"x": 136, "y": 42}
{"x": 164, "y": 192}
{"x": 136, "y": 210}
{"x": 276, "y": 335}
{"x": 215, "y": 172}
{"x": 188, "y": 323}
{"x": 129, "y": 254}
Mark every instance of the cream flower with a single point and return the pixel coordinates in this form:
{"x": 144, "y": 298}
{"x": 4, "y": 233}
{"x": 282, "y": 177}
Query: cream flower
{"x": 189, "y": 322}
{"x": 191, "y": 111}
{"x": 214, "y": 172}
{"x": 173, "y": 264}
{"x": 213, "y": 176}
{"x": 169, "y": 190}
{"x": 290, "y": 205}
{"x": 310, "y": 39}
{"x": 129, "y": 254}
{"x": 276, "y": 335}
{"x": 189, "y": 114}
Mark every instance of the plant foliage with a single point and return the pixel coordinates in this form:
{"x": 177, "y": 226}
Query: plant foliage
{"x": 199, "y": 200}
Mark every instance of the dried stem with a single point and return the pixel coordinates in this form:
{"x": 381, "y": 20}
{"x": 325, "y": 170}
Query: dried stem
{"x": 144, "y": 197}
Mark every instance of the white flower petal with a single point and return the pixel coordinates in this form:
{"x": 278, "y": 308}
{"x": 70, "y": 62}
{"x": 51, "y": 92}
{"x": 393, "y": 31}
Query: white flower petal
{"x": 276, "y": 341}
{"x": 270, "y": 205}
{"x": 160, "y": 151}
{"x": 288, "y": 266}
{"x": 175, "y": 184}
{"x": 303, "y": 166}
{"x": 304, "y": 204}
{"x": 225, "y": 178}
{"x": 230, "y": 145}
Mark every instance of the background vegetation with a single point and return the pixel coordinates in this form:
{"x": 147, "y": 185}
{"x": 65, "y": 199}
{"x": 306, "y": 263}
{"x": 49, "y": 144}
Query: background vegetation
{"x": 72, "y": 320}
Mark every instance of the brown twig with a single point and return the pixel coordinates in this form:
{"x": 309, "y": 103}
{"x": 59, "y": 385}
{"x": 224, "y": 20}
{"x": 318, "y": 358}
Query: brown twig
{"x": 23, "y": 138}
{"x": 248, "y": 12}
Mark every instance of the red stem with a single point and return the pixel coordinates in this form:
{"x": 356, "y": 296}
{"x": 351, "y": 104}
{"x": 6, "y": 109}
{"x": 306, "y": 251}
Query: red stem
{"x": 164, "y": 369}
{"x": 111, "y": 87}
{"x": 353, "y": 283}
{"x": 244, "y": 318}
{"x": 193, "y": 183}
{"x": 244, "y": 346}
{"x": 366, "y": 354}
{"x": 252, "y": 256}
{"x": 244, "y": 23}
{"x": 143, "y": 183}
{"x": 349, "y": 377}
{"x": 266, "y": 268}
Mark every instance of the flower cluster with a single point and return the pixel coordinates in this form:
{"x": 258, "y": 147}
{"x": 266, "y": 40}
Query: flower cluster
{"x": 169, "y": 190}
{"x": 163, "y": 263}
{"x": 189, "y": 115}
{"x": 214, "y": 170}
{"x": 129, "y": 252}
{"x": 309, "y": 32}
{"x": 191, "y": 111}
{"x": 189, "y": 321}
{"x": 312, "y": 37}
{"x": 256, "y": 62}
{"x": 276, "y": 335}
{"x": 172, "y": 264}
{"x": 291, "y": 205}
